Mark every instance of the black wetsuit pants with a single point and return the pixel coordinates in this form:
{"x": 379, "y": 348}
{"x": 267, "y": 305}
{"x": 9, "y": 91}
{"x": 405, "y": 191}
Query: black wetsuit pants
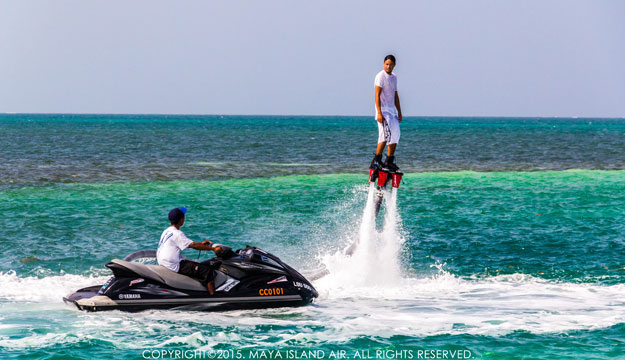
{"x": 201, "y": 272}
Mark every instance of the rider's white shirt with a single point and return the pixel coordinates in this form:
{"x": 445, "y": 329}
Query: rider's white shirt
{"x": 173, "y": 241}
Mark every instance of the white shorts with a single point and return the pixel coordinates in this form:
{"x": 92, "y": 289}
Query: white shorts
{"x": 388, "y": 131}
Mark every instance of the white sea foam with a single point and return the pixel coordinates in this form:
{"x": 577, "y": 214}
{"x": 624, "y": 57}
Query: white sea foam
{"x": 195, "y": 339}
{"x": 49, "y": 289}
{"x": 492, "y": 306}
{"x": 442, "y": 304}
{"x": 41, "y": 340}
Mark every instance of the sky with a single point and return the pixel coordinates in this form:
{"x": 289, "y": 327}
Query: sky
{"x": 288, "y": 57}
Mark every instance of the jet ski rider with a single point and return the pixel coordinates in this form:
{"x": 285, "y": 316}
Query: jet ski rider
{"x": 173, "y": 241}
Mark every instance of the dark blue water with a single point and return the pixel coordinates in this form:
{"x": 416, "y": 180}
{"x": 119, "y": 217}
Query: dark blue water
{"x": 44, "y": 149}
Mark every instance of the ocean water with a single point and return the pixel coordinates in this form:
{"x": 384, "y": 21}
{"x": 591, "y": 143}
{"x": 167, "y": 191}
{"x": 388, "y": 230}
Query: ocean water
{"x": 506, "y": 240}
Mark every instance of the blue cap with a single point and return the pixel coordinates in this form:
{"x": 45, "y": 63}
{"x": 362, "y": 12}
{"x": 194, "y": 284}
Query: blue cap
{"x": 176, "y": 214}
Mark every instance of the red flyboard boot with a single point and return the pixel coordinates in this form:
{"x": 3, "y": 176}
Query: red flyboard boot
{"x": 396, "y": 179}
{"x": 382, "y": 178}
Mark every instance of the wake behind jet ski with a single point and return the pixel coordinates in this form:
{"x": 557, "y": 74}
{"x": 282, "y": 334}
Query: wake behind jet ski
{"x": 248, "y": 278}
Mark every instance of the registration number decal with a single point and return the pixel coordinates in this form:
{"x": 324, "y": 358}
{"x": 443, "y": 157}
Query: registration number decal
{"x": 272, "y": 291}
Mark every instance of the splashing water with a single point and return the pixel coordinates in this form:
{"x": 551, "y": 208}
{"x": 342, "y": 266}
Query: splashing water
{"x": 366, "y": 285}
{"x": 359, "y": 266}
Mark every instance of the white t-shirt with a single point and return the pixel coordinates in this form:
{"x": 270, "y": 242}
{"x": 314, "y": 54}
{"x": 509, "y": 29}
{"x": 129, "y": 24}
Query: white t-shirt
{"x": 173, "y": 241}
{"x": 388, "y": 83}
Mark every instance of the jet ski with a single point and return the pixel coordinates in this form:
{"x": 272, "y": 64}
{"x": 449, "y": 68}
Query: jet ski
{"x": 247, "y": 278}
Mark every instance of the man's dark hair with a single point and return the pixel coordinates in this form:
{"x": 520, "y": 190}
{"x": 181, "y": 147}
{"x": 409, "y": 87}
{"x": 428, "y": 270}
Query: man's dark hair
{"x": 176, "y": 215}
{"x": 390, "y": 57}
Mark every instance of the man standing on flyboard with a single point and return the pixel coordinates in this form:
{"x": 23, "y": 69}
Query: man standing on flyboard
{"x": 388, "y": 115}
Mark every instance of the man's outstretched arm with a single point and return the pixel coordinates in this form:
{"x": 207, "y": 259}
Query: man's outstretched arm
{"x": 204, "y": 245}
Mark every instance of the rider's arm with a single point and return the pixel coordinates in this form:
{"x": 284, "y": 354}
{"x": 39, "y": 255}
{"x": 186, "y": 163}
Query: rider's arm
{"x": 203, "y": 246}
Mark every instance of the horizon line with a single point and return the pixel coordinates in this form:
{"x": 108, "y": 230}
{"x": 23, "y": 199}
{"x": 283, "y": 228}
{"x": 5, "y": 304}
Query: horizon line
{"x": 318, "y": 115}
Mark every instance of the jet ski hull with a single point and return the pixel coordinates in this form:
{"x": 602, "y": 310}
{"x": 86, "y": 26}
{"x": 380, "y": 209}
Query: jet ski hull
{"x": 87, "y": 299}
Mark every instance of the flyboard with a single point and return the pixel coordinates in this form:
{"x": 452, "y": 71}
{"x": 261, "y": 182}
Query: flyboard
{"x": 379, "y": 178}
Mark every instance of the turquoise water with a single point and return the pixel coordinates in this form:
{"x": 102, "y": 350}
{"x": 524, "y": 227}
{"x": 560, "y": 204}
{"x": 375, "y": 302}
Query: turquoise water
{"x": 509, "y": 241}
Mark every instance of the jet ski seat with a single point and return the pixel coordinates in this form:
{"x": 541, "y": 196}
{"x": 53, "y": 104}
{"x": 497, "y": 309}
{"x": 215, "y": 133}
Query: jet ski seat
{"x": 164, "y": 275}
